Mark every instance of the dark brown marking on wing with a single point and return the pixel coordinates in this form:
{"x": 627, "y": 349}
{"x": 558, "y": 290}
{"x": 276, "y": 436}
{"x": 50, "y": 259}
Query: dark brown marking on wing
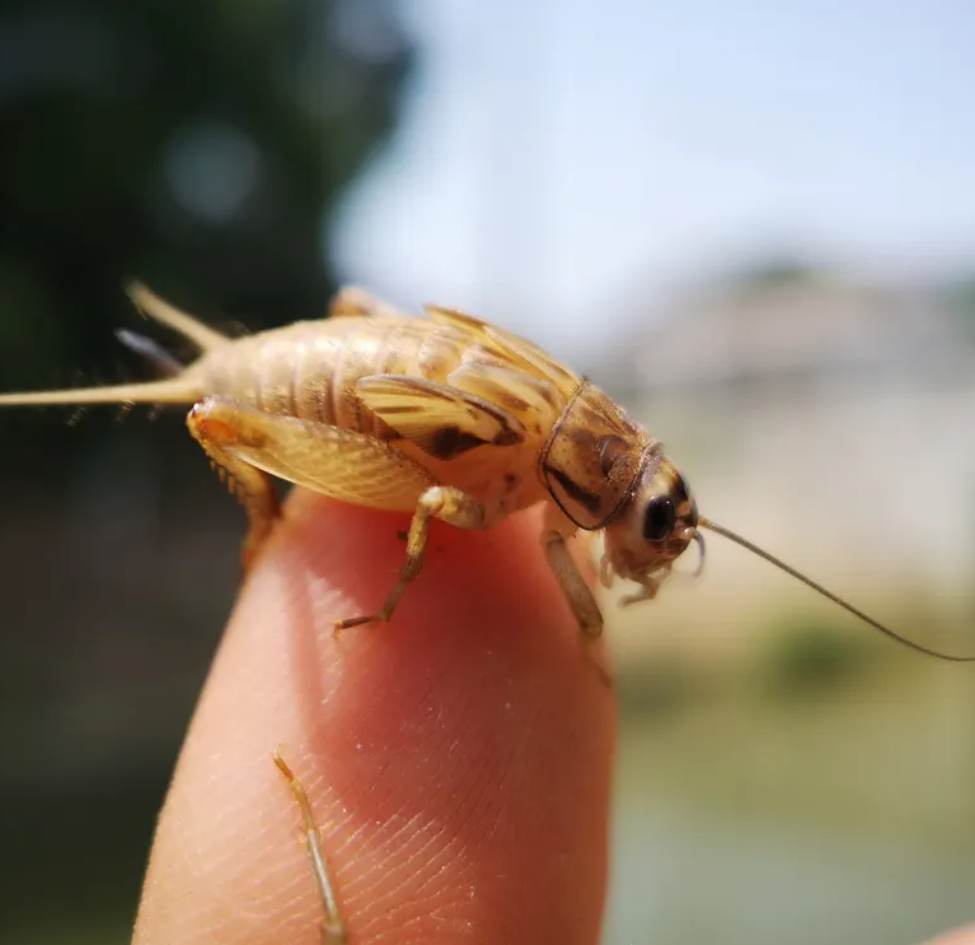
{"x": 506, "y": 437}
{"x": 427, "y": 390}
{"x": 512, "y": 402}
{"x": 550, "y": 395}
{"x": 449, "y": 442}
{"x": 405, "y": 408}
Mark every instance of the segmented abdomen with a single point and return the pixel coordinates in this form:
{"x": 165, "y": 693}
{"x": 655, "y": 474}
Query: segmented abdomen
{"x": 309, "y": 370}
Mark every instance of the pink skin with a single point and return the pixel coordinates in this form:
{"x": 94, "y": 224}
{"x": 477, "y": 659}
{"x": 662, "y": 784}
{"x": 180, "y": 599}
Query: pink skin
{"x": 962, "y": 936}
{"x": 458, "y": 759}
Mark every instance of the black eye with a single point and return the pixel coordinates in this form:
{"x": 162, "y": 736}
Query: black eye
{"x": 659, "y": 518}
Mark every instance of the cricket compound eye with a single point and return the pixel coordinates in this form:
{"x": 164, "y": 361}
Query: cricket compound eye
{"x": 659, "y": 518}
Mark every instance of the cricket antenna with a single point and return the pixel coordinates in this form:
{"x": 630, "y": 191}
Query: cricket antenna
{"x": 701, "y": 550}
{"x": 782, "y": 566}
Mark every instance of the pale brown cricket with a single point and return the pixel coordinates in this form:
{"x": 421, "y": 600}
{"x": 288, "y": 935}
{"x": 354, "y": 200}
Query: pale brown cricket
{"x": 445, "y": 417}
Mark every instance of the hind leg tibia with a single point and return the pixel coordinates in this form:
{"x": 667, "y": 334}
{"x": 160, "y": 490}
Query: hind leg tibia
{"x": 218, "y": 430}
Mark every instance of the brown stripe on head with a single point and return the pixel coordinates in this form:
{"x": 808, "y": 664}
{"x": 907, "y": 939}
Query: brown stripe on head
{"x": 671, "y": 480}
{"x": 677, "y": 486}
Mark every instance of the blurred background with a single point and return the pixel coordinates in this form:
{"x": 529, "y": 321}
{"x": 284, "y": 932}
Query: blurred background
{"x": 752, "y": 223}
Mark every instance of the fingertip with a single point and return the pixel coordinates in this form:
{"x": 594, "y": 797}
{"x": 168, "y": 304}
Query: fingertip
{"x": 458, "y": 759}
{"x": 965, "y": 935}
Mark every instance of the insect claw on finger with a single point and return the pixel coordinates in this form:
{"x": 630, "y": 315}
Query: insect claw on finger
{"x": 647, "y": 592}
{"x": 350, "y": 622}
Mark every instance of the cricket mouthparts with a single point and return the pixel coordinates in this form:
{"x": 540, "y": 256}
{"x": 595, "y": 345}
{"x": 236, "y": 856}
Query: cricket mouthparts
{"x": 809, "y": 582}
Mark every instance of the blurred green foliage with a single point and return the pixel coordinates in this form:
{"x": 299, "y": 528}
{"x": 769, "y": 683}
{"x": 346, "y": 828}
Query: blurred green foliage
{"x": 803, "y": 655}
{"x": 659, "y": 688}
{"x": 202, "y": 148}
{"x": 198, "y": 146}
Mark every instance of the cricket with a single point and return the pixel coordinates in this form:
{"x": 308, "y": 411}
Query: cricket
{"x": 446, "y": 417}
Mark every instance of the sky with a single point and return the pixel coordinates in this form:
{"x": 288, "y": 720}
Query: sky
{"x": 560, "y": 162}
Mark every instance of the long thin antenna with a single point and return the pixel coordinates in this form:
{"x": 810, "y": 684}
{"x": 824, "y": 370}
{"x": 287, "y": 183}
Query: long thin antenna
{"x": 333, "y": 928}
{"x": 782, "y": 566}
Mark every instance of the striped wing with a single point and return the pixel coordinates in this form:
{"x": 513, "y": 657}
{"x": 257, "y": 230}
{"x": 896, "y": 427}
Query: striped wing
{"x": 440, "y": 419}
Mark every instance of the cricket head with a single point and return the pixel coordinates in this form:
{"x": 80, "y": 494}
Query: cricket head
{"x": 657, "y": 522}
{"x": 653, "y": 527}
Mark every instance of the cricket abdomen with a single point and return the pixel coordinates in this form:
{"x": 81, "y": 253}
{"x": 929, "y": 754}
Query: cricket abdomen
{"x": 309, "y": 370}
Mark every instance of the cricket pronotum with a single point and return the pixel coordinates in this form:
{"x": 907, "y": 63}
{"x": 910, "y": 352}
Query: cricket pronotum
{"x": 447, "y": 417}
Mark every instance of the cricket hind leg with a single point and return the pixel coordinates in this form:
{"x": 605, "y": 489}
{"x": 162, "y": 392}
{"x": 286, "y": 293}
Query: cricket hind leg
{"x": 333, "y": 925}
{"x": 218, "y": 435}
{"x": 345, "y": 465}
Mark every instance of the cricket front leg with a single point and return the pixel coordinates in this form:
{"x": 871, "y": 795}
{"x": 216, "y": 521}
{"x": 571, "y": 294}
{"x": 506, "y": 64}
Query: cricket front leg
{"x": 649, "y": 586}
{"x": 443, "y": 502}
{"x": 577, "y": 592}
{"x": 217, "y": 432}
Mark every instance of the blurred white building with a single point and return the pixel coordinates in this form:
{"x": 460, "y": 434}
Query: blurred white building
{"x": 830, "y": 422}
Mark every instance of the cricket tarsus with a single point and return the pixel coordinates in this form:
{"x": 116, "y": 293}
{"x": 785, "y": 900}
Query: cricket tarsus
{"x": 809, "y": 582}
{"x": 442, "y": 502}
{"x": 333, "y": 925}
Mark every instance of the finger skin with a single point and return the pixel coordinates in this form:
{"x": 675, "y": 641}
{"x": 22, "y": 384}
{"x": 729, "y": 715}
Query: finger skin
{"x": 961, "y": 936}
{"x": 458, "y": 759}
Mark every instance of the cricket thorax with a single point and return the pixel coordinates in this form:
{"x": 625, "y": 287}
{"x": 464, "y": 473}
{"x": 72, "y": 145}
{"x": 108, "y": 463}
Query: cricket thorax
{"x": 593, "y": 458}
